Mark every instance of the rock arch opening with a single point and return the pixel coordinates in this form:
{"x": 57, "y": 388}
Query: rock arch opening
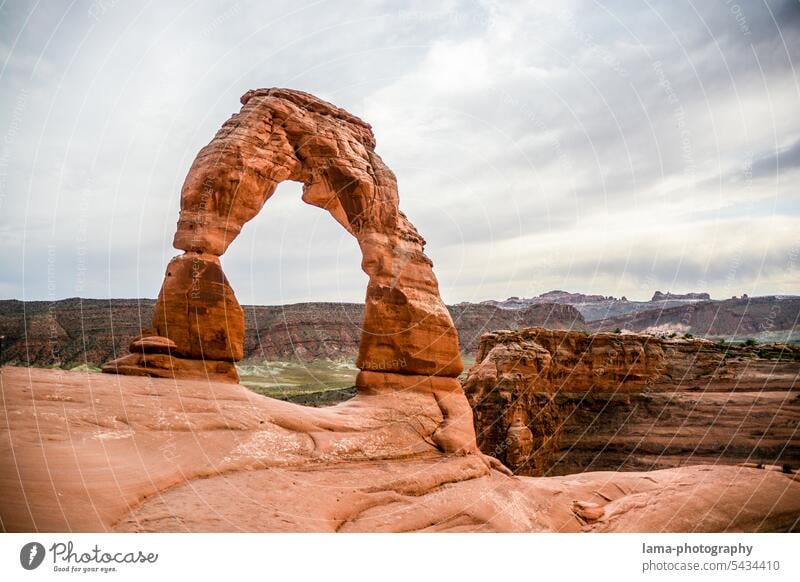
{"x": 293, "y": 253}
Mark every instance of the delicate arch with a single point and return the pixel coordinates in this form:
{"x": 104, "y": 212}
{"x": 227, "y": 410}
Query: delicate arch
{"x": 278, "y": 135}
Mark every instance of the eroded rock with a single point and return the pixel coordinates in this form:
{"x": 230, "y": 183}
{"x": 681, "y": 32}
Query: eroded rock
{"x": 631, "y": 402}
{"x": 280, "y": 135}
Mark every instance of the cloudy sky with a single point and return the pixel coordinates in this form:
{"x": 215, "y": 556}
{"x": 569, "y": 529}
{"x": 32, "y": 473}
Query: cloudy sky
{"x": 603, "y": 147}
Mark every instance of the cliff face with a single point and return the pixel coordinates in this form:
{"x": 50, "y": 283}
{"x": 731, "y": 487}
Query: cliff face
{"x": 305, "y": 331}
{"x": 71, "y": 332}
{"x": 472, "y": 321}
{"x": 310, "y": 331}
{"x": 559, "y": 402}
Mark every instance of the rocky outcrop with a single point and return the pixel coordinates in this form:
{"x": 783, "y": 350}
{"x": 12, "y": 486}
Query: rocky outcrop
{"x": 89, "y": 452}
{"x": 555, "y": 402}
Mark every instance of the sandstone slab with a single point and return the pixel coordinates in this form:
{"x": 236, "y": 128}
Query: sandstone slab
{"x": 92, "y": 452}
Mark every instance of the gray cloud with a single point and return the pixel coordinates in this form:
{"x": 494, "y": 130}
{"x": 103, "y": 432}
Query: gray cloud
{"x": 535, "y": 146}
{"x": 777, "y": 162}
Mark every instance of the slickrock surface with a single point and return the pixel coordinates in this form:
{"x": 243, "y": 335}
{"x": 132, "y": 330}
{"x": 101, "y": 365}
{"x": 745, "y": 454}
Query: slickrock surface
{"x": 555, "y": 402}
{"x": 91, "y": 452}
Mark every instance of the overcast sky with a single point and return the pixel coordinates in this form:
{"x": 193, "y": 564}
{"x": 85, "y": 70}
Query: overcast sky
{"x": 602, "y": 147}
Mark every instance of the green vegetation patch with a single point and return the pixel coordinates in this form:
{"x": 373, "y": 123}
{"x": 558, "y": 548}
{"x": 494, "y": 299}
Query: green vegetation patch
{"x": 288, "y": 380}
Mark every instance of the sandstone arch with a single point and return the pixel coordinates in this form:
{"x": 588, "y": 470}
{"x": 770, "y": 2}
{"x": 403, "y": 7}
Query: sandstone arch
{"x": 279, "y": 135}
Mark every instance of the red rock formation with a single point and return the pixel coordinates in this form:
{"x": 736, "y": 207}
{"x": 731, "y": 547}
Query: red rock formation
{"x": 289, "y": 135}
{"x": 408, "y": 336}
{"x": 89, "y": 452}
{"x": 623, "y": 402}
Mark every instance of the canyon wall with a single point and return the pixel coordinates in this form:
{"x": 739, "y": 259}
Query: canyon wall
{"x": 558, "y": 402}
{"x": 72, "y": 332}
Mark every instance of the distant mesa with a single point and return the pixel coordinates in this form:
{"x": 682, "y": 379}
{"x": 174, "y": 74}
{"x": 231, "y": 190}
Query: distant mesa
{"x": 659, "y": 296}
{"x": 769, "y": 318}
{"x": 556, "y": 296}
{"x": 566, "y": 297}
